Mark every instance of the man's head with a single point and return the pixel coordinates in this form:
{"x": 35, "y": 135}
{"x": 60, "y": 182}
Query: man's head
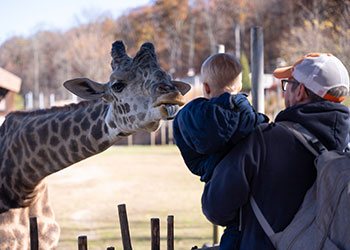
{"x": 221, "y": 73}
{"x": 315, "y": 77}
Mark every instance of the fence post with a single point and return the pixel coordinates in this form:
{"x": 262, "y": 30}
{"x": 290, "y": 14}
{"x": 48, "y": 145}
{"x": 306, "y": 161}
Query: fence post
{"x": 215, "y": 234}
{"x": 170, "y": 132}
{"x": 170, "y": 235}
{"x": 163, "y": 133}
{"x": 34, "y": 237}
{"x": 155, "y": 234}
{"x": 153, "y": 138}
{"x": 82, "y": 242}
{"x": 124, "y": 227}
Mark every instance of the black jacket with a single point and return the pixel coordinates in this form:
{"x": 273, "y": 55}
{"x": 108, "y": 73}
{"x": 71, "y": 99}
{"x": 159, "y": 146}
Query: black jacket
{"x": 273, "y": 166}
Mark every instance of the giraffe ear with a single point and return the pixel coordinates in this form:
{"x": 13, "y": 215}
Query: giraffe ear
{"x": 86, "y": 88}
{"x": 182, "y": 86}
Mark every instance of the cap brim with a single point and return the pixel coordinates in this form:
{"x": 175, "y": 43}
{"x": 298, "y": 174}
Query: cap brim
{"x": 284, "y": 72}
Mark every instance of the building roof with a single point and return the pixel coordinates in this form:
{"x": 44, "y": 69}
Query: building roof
{"x": 9, "y": 81}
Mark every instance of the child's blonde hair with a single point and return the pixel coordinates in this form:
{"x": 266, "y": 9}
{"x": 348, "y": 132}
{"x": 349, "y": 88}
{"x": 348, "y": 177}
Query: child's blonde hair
{"x": 221, "y": 70}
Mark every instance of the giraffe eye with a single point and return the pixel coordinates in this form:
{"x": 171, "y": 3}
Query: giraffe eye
{"x": 118, "y": 86}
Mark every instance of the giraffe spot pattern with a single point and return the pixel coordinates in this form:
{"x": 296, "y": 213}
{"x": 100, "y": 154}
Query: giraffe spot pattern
{"x": 76, "y": 130}
{"x": 120, "y": 111}
{"x": 54, "y": 157}
{"x": 62, "y": 150}
{"x": 25, "y": 146}
{"x": 43, "y": 133}
{"x": 96, "y": 113}
{"x": 103, "y": 146}
{"x": 54, "y": 141}
{"x": 96, "y": 130}
{"x": 112, "y": 124}
{"x": 30, "y": 139}
{"x": 86, "y": 142}
{"x": 141, "y": 116}
{"x": 54, "y": 126}
{"x": 132, "y": 118}
{"x": 28, "y": 169}
{"x": 73, "y": 146}
{"x": 127, "y": 107}
{"x": 76, "y": 157}
{"x": 65, "y": 129}
{"x": 85, "y": 124}
{"x": 86, "y": 153}
{"x": 105, "y": 129}
{"x": 79, "y": 115}
{"x": 38, "y": 166}
{"x": 43, "y": 155}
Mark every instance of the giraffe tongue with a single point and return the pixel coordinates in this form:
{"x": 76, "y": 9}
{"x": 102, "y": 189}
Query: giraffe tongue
{"x": 172, "y": 110}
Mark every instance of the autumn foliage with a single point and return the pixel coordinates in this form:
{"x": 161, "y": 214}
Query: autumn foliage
{"x": 184, "y": 33}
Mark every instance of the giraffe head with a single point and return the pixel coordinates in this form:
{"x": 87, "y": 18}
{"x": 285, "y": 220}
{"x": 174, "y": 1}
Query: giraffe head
{"x": 139, "y": 92}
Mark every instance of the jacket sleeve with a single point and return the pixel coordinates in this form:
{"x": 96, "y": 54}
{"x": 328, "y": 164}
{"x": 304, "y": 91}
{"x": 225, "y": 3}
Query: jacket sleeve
{"x": 206, "y": 126}
{"x": 229, "y": 187}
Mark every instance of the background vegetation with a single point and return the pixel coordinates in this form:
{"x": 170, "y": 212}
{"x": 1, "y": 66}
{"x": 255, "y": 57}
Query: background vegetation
{"x": 184, "y": 32}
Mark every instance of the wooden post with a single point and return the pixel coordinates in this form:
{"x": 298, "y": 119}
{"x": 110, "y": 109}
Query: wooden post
{"x": 130, "y": 140}
{"x": 215, "y": 234}
{"x": 153, "y": 138}
{"x": 170, "y": 132}
{"x": 124, "y": 227}
{"x": 170, "y": 235}
{"x": 163, "y": 133}
{"x": 82, "y": 242}
{"x": 155, "y": 235}
{"x": 34, "y": 237}
{"x": 257, "y": 59}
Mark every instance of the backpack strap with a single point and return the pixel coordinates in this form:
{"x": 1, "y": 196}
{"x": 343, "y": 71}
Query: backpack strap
{"x": 311, "y": 143}
{"x": 261, "y": 218}
{"x": 305, "y": 137}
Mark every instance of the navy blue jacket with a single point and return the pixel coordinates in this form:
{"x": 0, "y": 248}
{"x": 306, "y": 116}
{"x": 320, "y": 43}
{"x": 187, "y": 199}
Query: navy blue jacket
{"x": 274, "y": 167}
{"x": 205, "y": 130}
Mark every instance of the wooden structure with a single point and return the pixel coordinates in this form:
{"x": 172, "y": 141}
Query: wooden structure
{"x": 9, "y": 84}
{"x": 125, "y": 234}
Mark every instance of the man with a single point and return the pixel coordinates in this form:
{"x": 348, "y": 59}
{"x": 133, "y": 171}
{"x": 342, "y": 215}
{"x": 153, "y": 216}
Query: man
{"x": 271, "y": 164}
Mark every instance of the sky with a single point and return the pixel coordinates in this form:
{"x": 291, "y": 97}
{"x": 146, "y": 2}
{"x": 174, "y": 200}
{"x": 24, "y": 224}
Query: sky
{"x": 25, "y": 17}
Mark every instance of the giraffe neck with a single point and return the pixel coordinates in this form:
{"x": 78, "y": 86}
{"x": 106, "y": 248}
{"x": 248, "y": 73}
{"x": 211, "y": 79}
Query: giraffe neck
{"x": 40, "y": 143}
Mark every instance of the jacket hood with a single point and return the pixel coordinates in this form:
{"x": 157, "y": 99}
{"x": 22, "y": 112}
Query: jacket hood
{"x": 328, "y": 121}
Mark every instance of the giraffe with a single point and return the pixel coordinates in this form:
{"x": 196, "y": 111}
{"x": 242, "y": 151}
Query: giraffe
{"x": 35, "y": 144}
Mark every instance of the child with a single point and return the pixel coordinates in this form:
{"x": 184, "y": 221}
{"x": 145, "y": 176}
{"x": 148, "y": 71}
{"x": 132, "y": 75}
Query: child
{"x": 207, "y": 128}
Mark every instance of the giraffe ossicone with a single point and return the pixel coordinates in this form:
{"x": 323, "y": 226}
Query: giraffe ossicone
{"x": 138, "y": 95}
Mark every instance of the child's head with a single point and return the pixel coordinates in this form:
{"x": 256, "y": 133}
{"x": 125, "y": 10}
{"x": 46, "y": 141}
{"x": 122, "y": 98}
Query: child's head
{"x": 221, "y": 73}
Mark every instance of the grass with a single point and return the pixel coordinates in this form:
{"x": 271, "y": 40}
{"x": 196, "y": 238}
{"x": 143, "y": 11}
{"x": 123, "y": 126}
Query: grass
{"x": 153, "y": 182}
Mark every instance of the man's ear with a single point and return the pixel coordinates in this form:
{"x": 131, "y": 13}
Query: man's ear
{"x": 301, "y": 94}
{"x": 86, "y": 88}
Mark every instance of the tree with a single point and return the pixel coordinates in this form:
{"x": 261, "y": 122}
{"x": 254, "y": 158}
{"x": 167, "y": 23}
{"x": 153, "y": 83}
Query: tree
{"x": 246, "y": 82}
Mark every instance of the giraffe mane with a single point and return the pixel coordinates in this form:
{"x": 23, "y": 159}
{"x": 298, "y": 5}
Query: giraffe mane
{"x": 68, "y": 107}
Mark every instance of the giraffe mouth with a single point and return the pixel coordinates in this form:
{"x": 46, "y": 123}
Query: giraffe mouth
{"x": 166, "y": 102}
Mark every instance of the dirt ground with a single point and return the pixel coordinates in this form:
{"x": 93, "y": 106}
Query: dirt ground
{"x": 153, "y": 182}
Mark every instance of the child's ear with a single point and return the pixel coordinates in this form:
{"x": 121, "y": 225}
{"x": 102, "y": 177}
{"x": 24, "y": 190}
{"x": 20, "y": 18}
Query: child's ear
{"x": 206, "y": 89}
